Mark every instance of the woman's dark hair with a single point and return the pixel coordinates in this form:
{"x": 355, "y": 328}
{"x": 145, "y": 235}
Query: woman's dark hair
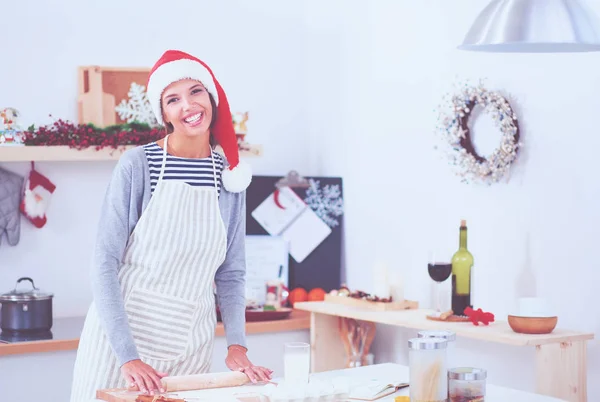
{"x": 213, "y": 142}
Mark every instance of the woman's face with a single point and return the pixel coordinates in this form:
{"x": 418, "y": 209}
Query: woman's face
{"x": 186, "y": 105}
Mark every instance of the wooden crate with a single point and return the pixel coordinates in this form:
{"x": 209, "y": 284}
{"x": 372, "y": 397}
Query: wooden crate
{"x": 373, "y": 306}
{"x": 101, "y": 89}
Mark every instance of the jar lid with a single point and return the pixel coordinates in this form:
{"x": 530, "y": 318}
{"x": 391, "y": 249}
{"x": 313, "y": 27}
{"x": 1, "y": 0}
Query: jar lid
{"x": 448, "y": 335}
{"x": 427, "y": 343}
{"x": 25, "y": 295}
{"x": 467, "y": 374}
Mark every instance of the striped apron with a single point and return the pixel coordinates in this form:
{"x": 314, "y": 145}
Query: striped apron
{"x": 166, "y": 278}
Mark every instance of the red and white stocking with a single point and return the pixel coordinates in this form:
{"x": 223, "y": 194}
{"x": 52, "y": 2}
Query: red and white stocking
{"x": 36, "y": 197}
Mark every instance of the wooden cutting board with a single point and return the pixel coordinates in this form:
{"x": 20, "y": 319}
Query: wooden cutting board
{"x": 95, "y": 106}
{"x": 371, "y": 305}
{"x": 179, "y": 383}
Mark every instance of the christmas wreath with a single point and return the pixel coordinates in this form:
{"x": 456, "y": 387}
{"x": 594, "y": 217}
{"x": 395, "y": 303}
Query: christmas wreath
{"x": 454, "y": 130}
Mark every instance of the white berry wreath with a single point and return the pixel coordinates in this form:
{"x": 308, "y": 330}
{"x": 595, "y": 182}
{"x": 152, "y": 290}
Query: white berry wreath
{"x": 454, "y": 129}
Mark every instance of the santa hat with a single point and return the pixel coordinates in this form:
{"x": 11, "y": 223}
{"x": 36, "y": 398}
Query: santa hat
{"x": 175, "y": 65}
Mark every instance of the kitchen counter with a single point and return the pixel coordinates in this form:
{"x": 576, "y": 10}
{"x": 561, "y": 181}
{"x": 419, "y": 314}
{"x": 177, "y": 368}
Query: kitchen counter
{"x": 387, "y": 372}
{"x": 65, "y": 334}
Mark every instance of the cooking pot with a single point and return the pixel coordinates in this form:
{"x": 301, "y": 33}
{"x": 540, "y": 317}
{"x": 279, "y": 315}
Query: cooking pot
{"x": 26, "y": 310}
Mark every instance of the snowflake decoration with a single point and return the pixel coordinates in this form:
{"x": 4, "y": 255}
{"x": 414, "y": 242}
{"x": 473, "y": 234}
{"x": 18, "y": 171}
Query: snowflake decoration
{"x": 493, "y": 168}
{"x": 137, "y": 108}
{"x": 326, "y": 202}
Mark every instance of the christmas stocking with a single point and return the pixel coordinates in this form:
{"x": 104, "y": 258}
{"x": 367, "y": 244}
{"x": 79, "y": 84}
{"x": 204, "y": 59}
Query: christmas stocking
{"x": 38, "y": 190}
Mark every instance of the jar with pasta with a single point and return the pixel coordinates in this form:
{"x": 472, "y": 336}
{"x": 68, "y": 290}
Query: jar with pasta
{"x": 466, "y": 384}
{"x": 428, "y": 370}
{"x": 447, "y": 335}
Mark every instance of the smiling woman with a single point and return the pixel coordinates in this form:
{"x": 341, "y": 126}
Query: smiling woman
{"x": 173, "y": 223}
{"x": 188, "y": 112}
{"x": 198, "y": 121}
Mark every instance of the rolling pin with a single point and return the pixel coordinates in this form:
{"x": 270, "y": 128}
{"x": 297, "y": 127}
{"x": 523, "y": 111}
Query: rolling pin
{"x": 204, "y": 381}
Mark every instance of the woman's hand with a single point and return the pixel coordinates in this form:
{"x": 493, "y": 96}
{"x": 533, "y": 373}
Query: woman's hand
{"x": 238, "y": 361}
{"x": 142, "y": 377}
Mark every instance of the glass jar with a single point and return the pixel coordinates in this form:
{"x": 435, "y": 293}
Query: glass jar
{"x": 447, "y": 335}
{"x": 466, "y": 384}
{"x": 428, "y": 370}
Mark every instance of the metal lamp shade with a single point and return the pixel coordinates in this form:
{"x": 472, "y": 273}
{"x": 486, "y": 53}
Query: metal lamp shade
{"x": 534, "y": 26}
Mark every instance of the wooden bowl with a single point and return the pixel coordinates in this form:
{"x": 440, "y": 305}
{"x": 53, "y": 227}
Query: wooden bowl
{"x": 532, "y": 325}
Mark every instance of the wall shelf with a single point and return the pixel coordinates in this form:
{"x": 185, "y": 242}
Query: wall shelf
{"x": 58, "y": 153}
{"x": 66, "y": 154}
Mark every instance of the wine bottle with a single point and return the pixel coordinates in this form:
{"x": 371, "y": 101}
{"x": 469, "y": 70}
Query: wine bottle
{"x": 462, "y": 264}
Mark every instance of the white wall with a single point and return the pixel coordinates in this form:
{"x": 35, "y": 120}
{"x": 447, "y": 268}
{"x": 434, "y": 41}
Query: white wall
{"x": 400, "y": 58}
{"x": 256, "y": 50}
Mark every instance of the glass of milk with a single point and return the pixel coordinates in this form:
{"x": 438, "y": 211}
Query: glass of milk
{"x": 296, "y": 363}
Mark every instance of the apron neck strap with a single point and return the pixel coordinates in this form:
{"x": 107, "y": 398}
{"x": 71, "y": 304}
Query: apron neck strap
{"x": 164, "y": 160}
{"x": 212, "y": 158}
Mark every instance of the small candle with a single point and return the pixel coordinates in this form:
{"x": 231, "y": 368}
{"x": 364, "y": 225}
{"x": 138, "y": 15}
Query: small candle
{"x": 380, "y": 280}
{"x": 396, "y": 286}
{"x": 533, "y": 307}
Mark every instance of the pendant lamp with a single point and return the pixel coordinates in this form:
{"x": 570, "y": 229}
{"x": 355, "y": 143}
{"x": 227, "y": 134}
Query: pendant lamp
{"x": 534, "y": 26}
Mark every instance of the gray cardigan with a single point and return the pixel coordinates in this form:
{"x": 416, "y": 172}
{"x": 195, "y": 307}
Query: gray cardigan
{"x": 127, "y": 196}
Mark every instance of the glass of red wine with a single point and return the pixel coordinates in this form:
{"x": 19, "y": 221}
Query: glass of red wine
{"x": 439, "y": 270}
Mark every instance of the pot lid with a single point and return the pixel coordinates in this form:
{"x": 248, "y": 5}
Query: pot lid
{"x": 25, "y": 294}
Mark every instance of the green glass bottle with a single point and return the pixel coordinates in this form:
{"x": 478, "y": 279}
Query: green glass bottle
{"x": 462, "y": 264}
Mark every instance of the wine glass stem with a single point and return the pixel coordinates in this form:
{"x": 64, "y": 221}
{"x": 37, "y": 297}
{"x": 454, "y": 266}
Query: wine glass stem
{"x": 439, "y": 290}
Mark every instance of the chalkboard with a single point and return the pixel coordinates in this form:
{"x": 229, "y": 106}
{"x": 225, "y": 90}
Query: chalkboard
{"x": 322, "y": 268}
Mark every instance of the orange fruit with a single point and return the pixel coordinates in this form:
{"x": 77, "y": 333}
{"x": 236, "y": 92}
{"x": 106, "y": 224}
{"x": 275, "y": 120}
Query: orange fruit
{"x": 297, "y": 295}
{"x": 317, "y": 294}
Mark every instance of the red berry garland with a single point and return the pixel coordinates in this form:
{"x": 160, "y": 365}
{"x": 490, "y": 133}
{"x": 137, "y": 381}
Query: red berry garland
{"x": 81, "y": 136}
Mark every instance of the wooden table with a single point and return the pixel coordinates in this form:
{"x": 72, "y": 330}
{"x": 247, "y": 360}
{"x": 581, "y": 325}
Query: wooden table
{"x": 381, "y": 372}
{"x": 561, "y": 357}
